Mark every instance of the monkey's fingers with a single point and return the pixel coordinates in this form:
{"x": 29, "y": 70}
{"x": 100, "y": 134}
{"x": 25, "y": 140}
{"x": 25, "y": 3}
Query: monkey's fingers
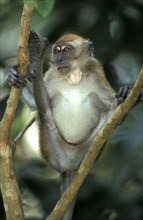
{"x": 123, "y": 93}
{"x": 14, "y": 78}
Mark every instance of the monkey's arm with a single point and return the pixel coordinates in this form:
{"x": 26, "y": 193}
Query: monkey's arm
{"x": 108, "y": 93}
{"x": 28, "y": 98}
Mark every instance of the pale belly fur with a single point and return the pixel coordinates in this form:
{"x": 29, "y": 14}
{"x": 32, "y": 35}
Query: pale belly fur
{"x": 75, "y": 117}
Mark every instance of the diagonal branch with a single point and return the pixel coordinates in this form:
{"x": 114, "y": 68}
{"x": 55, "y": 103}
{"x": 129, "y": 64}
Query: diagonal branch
{"x": 22, "y": 132}
{"x": 95, "y": 149}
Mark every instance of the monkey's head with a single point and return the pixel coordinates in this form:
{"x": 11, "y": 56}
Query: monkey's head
{"x": 69, "y": 54}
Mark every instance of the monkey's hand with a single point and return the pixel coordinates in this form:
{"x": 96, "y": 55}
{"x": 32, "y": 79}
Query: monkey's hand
{"x": 14, "y": 78}
{"x": 123, "y": 92}
{"x": 37, "y": 51}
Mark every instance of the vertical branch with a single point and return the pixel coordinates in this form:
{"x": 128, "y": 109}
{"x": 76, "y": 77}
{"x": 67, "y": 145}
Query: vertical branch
{"x": 23, "y": 61}
{"x": 8, "y": 183}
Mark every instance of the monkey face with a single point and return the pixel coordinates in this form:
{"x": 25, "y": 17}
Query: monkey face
{"x": 69, "y": 55}
{"x": 61, "y": 54}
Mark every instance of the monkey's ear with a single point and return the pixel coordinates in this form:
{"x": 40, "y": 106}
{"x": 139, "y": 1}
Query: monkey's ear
{"x": 90, "y": 48}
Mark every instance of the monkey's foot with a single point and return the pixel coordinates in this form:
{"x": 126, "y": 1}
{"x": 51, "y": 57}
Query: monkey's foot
{"x": 123, "y": 92}
{"x": 36, "y": 50}
{"x": 14, "y": 78}
{"x": 35, "y": 47}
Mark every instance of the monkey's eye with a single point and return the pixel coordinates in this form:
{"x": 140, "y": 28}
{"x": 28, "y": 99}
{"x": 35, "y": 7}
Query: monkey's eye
{"x": 66, "y": 49}
{"x": 57, "y": 50}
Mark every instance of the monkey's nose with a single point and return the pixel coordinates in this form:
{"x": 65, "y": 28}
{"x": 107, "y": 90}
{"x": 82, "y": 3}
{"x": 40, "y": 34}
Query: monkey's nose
{"x": 60, "y": 59}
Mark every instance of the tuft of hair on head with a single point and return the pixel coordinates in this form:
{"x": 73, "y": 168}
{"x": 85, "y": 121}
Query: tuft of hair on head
{"x": 70, "y": 37}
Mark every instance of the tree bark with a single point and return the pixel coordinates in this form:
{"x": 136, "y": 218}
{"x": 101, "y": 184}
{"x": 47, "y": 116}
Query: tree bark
{"x": 8, "y": 183}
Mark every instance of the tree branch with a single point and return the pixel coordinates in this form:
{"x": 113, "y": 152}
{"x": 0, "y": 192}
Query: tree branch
{"x": 23, "y": 61}
{"x": 8, "y": 183}
{"x": 22, "y": 132}
{"x": 95, "y": 149}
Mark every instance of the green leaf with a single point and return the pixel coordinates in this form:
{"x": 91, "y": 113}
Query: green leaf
{"x": 44, "y": 7}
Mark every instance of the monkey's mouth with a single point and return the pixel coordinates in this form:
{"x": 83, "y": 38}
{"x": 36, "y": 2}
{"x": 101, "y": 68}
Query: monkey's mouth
{"x": 62, "y": 67}
{"x": 63, "y": 70}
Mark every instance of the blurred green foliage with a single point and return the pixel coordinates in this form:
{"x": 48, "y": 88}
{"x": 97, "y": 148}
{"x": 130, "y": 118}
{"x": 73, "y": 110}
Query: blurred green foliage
{"x": 43, "y": 7}
{"x": 113, "y": 190}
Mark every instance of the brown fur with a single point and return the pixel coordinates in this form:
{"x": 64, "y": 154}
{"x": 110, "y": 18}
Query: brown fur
{"x": 69, "y": 37}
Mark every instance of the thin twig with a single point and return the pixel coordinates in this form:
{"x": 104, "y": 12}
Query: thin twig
{"x": 22, "y": 132}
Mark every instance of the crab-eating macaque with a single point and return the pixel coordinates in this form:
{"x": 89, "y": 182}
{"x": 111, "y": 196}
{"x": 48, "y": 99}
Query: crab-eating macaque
{"x": 73, "y": 101}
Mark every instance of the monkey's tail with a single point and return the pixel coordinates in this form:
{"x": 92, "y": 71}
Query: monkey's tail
{"x": 66, "y": 179}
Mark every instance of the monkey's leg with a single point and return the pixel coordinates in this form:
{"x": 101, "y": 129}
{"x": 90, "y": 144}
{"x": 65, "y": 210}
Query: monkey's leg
{"x": 66, "y": 179}
{"x": 39, "y": 89}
